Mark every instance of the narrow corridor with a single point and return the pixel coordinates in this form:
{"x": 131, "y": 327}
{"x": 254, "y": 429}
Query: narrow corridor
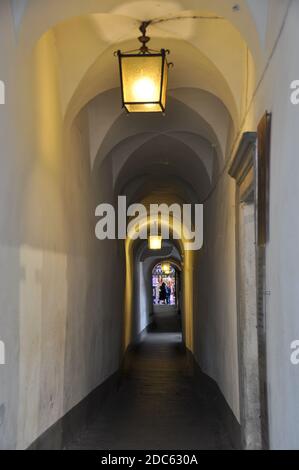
{"x": 158, "y": 405}
{"x": 149, "y": 171}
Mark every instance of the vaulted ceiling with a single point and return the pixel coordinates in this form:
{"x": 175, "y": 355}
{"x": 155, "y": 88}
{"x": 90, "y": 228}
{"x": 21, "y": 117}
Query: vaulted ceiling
{"x": 218, "y": 48}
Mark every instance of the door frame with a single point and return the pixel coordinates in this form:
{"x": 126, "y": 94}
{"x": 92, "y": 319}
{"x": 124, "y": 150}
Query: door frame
{"x": 245, "y": 172}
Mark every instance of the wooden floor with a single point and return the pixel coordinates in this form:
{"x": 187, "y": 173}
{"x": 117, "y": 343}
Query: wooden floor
{"x": 157, "y": 405}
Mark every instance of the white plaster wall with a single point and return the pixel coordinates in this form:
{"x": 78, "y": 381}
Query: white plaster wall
{"x": 140, "y": 305}
{"x": 145, "y": 290}
{"x": 18, "y": 9}
{"x": 61, "y": 329}
{"x": 215, "y": 319}
{"x": 282, "y": 251}
{"x": 10, "y": 272}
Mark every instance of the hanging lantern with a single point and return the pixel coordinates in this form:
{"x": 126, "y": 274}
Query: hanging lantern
{"x": 155, "y": 242}
{"x": 166, "y": 268}
{"x": 144, "y": 75}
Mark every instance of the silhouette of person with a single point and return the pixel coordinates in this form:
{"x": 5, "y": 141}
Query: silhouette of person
{"x": 162, "y": 296}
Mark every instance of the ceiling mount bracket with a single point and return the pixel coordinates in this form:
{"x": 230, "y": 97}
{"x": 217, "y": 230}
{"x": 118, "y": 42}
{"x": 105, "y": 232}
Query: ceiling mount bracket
{"x": 144, "y": 39}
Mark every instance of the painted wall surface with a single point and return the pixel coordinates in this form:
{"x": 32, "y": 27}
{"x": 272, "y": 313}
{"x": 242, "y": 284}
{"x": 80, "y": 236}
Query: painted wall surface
{"x": 144, "y": 305}
{"x": 61, "y": 327}
{"x": 142, "y": 298}
{"x": 10, "y": 270}
{"x": 217, "y": 312}
{"x": 216, "y": 348}
{"x": 282, "y": 251}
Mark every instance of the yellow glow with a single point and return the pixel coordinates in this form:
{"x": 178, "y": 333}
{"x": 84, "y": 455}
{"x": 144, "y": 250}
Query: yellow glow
{"x": 187, "y": 283}
{"x": 155, "y": 243}
{"x": 143, "y": 108}
{"x": 166, "y": 268}
{"x": 143, "y": 87}
{"x": 49, "y": 120}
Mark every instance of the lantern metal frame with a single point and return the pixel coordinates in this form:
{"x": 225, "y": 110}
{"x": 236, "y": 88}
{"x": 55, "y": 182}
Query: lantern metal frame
{"x": 144, "y": 52}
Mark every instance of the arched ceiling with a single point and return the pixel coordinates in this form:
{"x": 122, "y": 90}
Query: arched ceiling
{"x": 203, "y": 124}
{"x": 181, "y": 145}
{"x": 179, "y": 233}
{"x": 201, "y": 35}
{"x": 170, "y": 250}
{"x": 163, "y": 163}
{"x": 212, "y": 46}
{"x": 193, "y": 69}
{"x": 153, "y": 188}
{"x": 170, "y": 253}
{"x": 33, "y": 18}
{"x": 179, "y": 153}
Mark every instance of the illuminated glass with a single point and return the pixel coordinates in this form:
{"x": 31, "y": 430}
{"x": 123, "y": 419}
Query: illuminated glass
{"x": 144, "y": 81}
{"x": 166, "y": 268}
{"x": 155, "y": 243}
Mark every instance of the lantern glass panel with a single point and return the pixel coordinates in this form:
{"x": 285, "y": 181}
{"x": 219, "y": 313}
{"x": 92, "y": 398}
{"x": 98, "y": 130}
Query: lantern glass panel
{"x": 166, "y": 268}
{"x": 155, "y": 243}
{"x": 144, "y": 82}
{"x": 164, "y": 85}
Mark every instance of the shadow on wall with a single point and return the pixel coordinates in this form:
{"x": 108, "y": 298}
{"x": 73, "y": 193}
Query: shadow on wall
{"x": 62, "y": 329}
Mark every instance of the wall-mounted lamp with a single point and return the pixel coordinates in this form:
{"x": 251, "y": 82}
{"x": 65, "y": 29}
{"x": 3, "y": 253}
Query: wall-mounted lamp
{"x": 144, "y": 76}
